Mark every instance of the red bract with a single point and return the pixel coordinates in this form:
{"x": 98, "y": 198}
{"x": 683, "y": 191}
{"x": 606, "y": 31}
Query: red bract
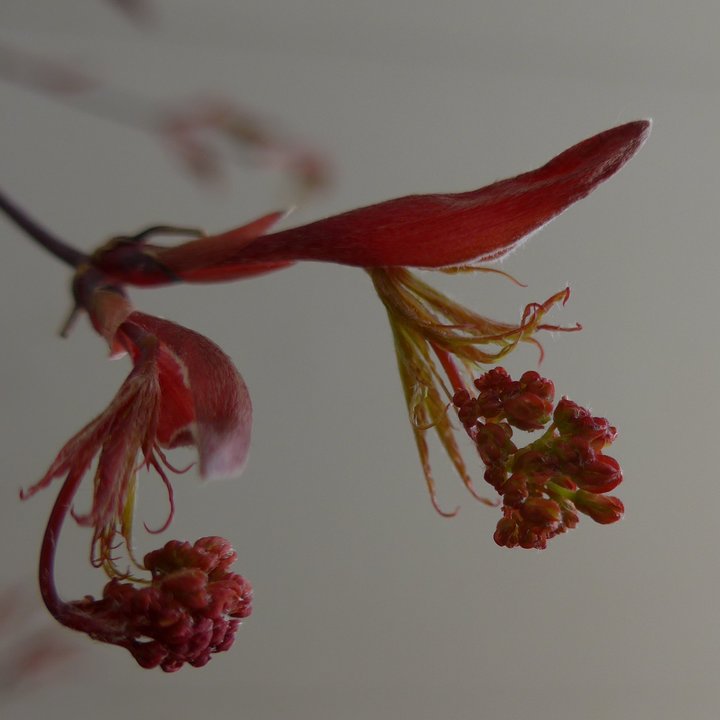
{"x": 427, "y": 231}
{"x": 204, "y": 400}
{"x": 183, "y": 390}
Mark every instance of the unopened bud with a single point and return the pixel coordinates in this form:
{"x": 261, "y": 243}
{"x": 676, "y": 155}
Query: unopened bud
{"x": 542, "y": 387}
{"x": 566, "y": 414}
{"x": 496, "y": 475}
{"x": 493, "y": 388}
{"x": 460, "y": 398}
{"x": 600, "y": 476}
{"x": 532, "y": 537}
{"x": 494, "y": 443}
{"x": 527, "y": 411}
{"x": 506, "y": 533}
{"x": 570, "y": 518}
{"x": 541, "y": 511}
{"x": 604, "y": 509}
{"x": 514, "y": 491}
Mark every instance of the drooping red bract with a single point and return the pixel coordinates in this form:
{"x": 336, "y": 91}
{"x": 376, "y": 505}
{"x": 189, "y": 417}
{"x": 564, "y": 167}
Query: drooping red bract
{"x": 204, "y": 400}
{"x": 427, "y": 231}
{"x": 182, "y": 390}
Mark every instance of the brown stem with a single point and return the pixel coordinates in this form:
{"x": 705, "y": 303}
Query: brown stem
{"x": 42, "y": 236}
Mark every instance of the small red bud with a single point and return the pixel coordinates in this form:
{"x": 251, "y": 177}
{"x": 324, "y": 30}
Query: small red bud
{"x": 460, "y": 398}
{"x": 542, "y": 387}
{"x": 496, "y": 475}
{"x": 533, "y": 538}
{"x": 493, "y": 388}
{"x": 507, "y": 532}
{"x": 570, "y": 518}
{"x": 541, "y": 511}
{"x": 494, "y": 443}
{"x": 600, "y": 476}
{"x": 495, "y": 380}
{"x": 604, "y": 509}
{"x": 534, "y": 462}
{"x": 527, "y": 411}
{"x": 468, "y": 413}
{"x": 566, "y": 414}
{"x": 514, "y": 491}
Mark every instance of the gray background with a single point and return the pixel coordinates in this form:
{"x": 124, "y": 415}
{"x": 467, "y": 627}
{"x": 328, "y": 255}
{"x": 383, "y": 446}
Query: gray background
{"x": 368, "y": 605}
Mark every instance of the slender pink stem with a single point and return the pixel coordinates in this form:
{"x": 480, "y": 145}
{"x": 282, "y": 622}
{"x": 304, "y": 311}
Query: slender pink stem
{"x": 65, "y": 613}
{"x": 56, "y": 606}
{"x": 451, "y": 369}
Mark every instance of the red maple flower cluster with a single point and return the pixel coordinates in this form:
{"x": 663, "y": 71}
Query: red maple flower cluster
{"x": 191, "y": 609}
{"x": 543, "y": 484}
{"x": 184, "y": 391}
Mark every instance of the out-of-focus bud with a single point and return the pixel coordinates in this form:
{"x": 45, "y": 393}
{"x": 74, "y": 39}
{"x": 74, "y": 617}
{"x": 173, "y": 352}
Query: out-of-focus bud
{"x": 515, "y": 491}
{"x": 541, "y": 511}
{"x": 507, "y": 532}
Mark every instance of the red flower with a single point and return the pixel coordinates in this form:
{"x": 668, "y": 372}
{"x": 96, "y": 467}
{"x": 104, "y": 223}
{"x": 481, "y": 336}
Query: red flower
{"x": 428, "y": 231}
{"x": 450, "y": 231}
{"x": 429, "y": 330}
{"x": 544, "y": 484}
{"x": 191, "y": 609}
{"x": 182, "y": 390}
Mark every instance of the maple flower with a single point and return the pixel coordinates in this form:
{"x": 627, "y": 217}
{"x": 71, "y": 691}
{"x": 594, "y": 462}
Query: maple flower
{"x": 543, "y": 484}
{"x": 438, "y": 342}
{"x": 192, "y": 607}
{"x": 431, "y": 332}
{"x": 183, "y": 390}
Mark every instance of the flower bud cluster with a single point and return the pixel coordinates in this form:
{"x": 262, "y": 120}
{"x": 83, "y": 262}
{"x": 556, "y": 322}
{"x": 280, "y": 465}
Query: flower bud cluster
{"x": 191, "y": 609}
{"x": 546, "y": 483}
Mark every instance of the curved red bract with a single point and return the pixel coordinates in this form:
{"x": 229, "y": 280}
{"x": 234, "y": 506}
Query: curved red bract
{"x": 427, "y": 231}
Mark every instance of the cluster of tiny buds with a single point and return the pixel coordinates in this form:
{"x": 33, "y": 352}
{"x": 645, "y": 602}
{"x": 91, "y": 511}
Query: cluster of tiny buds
{"x": 191, "y": 609}
{"x": 546, "y": 483}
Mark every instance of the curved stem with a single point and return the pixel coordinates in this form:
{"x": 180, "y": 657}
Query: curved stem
{"x": 57, "y": 607}
{"x": 73, "y": 615}
{"x": 50, "y": 242}
{"x": 68, "y": 614}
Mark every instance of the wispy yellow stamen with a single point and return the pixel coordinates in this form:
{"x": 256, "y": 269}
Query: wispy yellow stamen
{"x": 428, "y": 327}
